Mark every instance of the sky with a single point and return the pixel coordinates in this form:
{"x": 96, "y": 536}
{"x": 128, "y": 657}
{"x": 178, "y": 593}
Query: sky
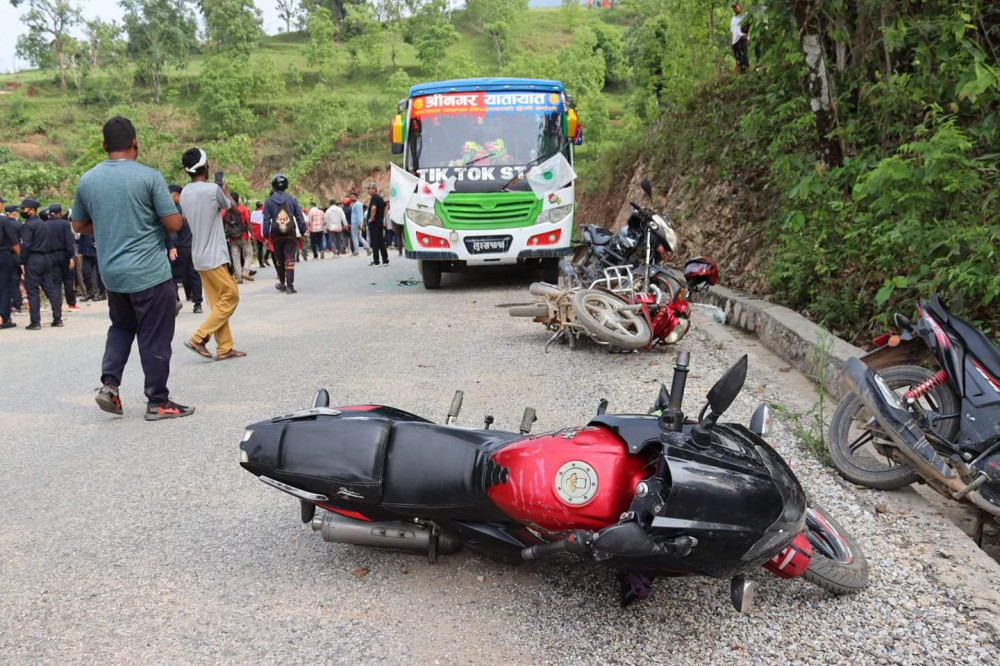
{"x": 105, "y": 9}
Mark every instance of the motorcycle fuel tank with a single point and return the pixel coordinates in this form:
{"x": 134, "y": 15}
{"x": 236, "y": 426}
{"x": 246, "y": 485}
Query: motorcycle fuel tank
{"x": 573, "y": 479}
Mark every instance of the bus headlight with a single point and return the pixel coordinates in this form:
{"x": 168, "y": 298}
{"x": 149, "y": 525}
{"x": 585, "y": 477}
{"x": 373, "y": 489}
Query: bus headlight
{"x": 423, "y": 219}
{"x": 553, "y": 215}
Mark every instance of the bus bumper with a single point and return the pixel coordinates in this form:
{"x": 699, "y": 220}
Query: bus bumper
{"x": 442, "y": 244}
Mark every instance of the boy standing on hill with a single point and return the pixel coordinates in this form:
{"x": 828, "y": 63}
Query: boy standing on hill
{"x": 202, "y": 202}
{"x": 739, "y": 39}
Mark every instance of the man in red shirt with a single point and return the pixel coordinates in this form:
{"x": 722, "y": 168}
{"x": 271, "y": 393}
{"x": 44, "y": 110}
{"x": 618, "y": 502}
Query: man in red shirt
{"x": 241, "y": 248}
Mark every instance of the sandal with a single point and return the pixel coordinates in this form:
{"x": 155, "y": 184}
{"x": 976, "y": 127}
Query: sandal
{"x": 198, "y": 348}
{"x": 232, "y": 353}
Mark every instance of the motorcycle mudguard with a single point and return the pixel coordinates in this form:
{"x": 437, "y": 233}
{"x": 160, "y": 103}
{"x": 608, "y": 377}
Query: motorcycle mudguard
{"x": 910, "y": 351}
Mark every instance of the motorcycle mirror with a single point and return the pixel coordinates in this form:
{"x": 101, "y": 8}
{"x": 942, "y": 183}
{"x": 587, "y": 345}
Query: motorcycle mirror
{"x": 647, "y": 187}
{"x": 722, "y": 395}
{"x": 322, "y": 398}
{"x": 662, "y": 400}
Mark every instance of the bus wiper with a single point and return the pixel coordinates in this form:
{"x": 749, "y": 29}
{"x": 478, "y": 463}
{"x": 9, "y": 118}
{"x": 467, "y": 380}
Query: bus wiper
{"x": 533, "y": 163}
{"x": 476, "y": 159}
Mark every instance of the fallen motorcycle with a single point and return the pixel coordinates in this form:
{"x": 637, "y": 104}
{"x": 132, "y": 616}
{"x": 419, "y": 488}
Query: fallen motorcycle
{"x": 646, "y": 496}
{"x": 942, "y": 426}
{"x": 619, "y": 311}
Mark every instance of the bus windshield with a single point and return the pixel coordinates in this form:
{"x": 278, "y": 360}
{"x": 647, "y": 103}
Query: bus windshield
{"x": 483, "y": 140}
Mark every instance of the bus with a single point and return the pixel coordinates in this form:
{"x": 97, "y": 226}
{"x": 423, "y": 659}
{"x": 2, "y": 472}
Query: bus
{"x": 479, "y": 143}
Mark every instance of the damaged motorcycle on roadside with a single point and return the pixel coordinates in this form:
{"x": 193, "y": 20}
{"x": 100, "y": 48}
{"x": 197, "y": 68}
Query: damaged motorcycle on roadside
{"x": 646, "y": 496}
{"x": 903, "y": 422}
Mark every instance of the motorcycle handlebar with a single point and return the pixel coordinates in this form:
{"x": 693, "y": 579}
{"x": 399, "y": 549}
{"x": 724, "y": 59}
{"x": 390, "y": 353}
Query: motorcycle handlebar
{"x": 543, "y": 550}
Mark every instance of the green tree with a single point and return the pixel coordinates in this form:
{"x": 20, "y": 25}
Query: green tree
{"x": 160, "y": 35}
{"x": 432, "y": 45}
{"x": 105, "y": 42}
{"x": 498, "y": 19}
{"x": 232, "y": 26}
{"x": 48, "y": 23}
{"x": 289, "y": 11}
{"x": 365, "y": 38}
{"x": 321, "y": 48}
{"x": 226, "y": 86}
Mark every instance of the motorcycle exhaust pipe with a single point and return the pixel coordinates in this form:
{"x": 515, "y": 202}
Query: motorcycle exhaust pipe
{"x": 395, "y": 534}
{"x": 544, "y": 290}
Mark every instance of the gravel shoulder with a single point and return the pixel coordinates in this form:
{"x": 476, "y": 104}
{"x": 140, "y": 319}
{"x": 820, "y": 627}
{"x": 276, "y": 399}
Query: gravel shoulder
{"x": 123, "y": 541}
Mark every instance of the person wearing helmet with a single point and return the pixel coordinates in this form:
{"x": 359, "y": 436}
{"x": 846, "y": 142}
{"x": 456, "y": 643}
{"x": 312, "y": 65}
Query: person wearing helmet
{"x": 283, "y": 222}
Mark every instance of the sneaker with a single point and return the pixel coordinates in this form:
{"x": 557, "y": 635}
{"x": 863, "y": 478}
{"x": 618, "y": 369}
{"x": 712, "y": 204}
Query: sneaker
{"x": 252, "y": 272}
{"x": 386, "y": 263}
{"x": 166, "y": 410}
{"x": 101, "y": 297}
{"x": 57, "y": 323}
{"x": 108, "y": 400}
{"x": 7, "y": 324}
{"x": 291, "y": 290}
{"x": 247, "y": 277}
{"x": 374, "y": 263}
{"x": 34, "y": 326}
{"x": 73, "y": 307}
{"x": 197, "y": 308}
{"x": 280, "y": 286}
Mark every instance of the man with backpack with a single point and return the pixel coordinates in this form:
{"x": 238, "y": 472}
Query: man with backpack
{"x": 283, "y": 222}
{"x": 202, "y": 202}
{"x": 236, "y": 224}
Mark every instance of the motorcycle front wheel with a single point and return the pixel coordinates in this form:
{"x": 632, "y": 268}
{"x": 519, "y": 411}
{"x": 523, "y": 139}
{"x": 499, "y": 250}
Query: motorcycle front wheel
{"x": 837, "y": 564}
{"x": 857, "y": 443}
{"x": 601, "y": 315}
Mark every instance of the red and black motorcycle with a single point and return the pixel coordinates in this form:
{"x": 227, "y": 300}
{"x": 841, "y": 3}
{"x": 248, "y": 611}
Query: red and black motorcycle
{"x": 645, "y": 495}
{"x": 941, "y": 425}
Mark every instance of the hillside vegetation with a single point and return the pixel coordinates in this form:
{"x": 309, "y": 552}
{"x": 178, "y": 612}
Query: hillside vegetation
{"x": 845, "y": 206}
{"x": 315, "y": 103}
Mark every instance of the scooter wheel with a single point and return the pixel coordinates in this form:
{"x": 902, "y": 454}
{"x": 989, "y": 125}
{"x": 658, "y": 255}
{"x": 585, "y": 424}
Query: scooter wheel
{"x": 837, "y": 564}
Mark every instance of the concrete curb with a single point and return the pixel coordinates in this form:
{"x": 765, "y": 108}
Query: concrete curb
{"x": 787, "y": 333}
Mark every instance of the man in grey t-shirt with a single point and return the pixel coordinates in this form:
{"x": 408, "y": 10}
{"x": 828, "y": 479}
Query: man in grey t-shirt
{"x": 127, "y": 208}
{"x": 202, "y": 202}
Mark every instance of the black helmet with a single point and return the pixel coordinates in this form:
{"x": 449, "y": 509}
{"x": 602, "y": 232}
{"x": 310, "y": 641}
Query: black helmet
{"x": 280, "y": 182}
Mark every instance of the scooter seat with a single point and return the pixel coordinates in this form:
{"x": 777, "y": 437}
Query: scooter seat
{"x": 975, "y": 341}
{"x": 439, "y": 469}
{"x": 601, "y": 235}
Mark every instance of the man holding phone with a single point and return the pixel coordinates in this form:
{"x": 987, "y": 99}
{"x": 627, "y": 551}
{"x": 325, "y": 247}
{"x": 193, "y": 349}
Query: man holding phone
{"x": 202, "y": 202}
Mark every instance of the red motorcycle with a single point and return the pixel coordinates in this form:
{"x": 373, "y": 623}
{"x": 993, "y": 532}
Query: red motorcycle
{"x": 647, "y": 496}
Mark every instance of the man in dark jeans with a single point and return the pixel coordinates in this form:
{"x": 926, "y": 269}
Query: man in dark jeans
{"x": 281, "y": 216}
{"x": 127, "y": 207}
{"x": 179, "y": 253}
{"x": 739, "y": 38}
{"x": 63, "y": 257}
{"x": 376, "y": 226}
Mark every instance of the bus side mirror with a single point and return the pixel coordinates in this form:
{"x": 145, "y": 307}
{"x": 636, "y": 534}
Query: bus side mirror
{"x": 574, "y": 131}
{"x": 396, "y": 134}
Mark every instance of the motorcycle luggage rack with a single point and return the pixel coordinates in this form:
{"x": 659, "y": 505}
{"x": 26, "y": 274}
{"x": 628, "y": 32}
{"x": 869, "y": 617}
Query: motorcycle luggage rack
{"x": 306, "y": 413}
{"x": 617, "y": 280}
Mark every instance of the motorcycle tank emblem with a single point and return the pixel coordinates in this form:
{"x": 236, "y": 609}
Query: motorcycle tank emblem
{"x": 576, "y": 483}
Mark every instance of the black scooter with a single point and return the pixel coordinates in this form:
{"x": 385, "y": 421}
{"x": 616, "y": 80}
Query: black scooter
{"x": 962, "y": 463}
{"x": 646, "y": 495}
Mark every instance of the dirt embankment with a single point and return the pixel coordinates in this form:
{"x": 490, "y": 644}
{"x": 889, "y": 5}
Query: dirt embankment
{"x": 712, "y": 217}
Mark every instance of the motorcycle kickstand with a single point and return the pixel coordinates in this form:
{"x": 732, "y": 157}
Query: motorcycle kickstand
{"x": 979, "y": 527}
{"x": 432, "y": 545}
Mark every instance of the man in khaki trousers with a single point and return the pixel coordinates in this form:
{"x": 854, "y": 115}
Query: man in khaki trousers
{"x": 202, "y": 201}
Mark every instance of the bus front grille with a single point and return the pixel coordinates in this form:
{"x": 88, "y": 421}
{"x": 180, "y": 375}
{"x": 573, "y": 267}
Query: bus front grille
{"x": 505, "y": 210}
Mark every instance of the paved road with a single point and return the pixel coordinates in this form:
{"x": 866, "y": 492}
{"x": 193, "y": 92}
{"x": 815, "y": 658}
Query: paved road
{"x": 123, "y": 541}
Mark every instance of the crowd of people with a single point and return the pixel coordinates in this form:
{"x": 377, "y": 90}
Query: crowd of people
{"x": 135, "y": 241}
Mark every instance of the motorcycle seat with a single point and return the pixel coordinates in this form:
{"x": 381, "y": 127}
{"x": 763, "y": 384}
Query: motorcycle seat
{"x": 439, "y": 469}
{"x": 599, "y": 235}
{"x": 975, "y": 340}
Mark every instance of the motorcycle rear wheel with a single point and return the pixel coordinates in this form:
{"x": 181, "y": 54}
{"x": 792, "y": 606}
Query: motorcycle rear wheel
{"x": 854, "y": 434}
{"x": 837, "y": 564}
{"x": 601, "y": 315}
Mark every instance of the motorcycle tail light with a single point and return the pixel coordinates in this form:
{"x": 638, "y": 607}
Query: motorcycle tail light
{"x": 547, "y": 238}
{"x": 882, "y": 340}
{"x": 432, "y": 242}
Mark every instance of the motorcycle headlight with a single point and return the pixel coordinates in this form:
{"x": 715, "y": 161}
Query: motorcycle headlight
{"x": 553, "y": 215}
{"x": 671, "y": 237}
{"x": 422, "y": 218}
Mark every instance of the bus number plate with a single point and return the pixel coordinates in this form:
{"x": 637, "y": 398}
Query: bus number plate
{"x": 487, "y": 244}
